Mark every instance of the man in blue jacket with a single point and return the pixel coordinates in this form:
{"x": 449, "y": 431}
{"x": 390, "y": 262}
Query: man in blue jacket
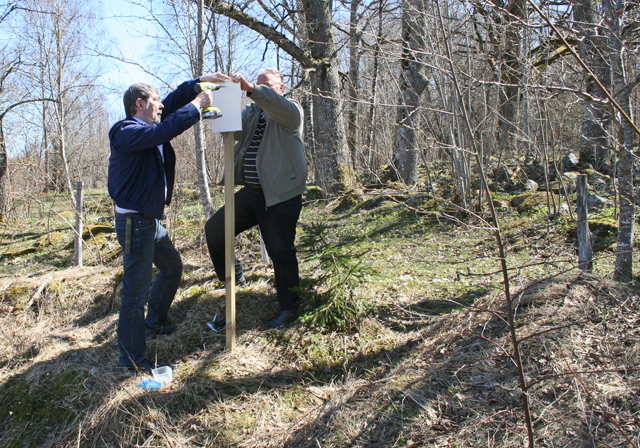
{"x": 141, "y": 179}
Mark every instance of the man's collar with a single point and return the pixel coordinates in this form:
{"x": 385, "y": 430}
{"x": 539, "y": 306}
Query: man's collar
{"x": 144, "y": 123}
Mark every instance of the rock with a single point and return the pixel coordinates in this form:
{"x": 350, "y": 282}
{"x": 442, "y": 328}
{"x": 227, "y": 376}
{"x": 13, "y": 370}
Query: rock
{"x": 96, "y": 229}
{"x": 503, "y": 175}
{"x": 535, "y": 171}
{"x": 116, "y": 295}
{"x": 598, "y": 181}
{"x": 68, "y": 215}
{"x": 313, "y": 193}
{"x": 518, "y": 200}
{"x": 57, "y": 239}
{"x": 19, "y": 252}
{"x": 604, "y": 234}
{"x": 563, "y": 209}
{"x": 570, "y": 161}
{"x": 350, "y": 200}
{"x": 372, "y": 203}
{"x": 531, "y": 185}
{"x": 529, "y": 202}
{"x": 501, "y": 206}
{"x": 596, "y": 203}
{"x": 388, "y": 174}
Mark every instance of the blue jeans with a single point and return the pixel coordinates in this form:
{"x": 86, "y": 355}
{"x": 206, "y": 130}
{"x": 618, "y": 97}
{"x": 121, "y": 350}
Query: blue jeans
{"x": 278, "y": 227}
{"x": 150, "y": 244}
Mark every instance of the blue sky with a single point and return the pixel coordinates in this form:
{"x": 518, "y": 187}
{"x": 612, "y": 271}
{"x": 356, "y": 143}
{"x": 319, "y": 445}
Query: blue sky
{"x": 119, "y": 18}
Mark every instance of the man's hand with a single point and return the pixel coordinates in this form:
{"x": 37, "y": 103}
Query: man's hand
{"x": 214, "y": 77}
{"x": 204, "y": 99}
{"x": 244, "y": 84}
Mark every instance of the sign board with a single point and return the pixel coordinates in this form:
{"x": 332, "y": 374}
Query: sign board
{"x": 229, "y": 100}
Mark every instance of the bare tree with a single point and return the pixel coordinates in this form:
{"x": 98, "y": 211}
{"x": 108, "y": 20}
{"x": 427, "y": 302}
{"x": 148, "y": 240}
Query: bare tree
{"x": 626, "y": 223}
{"x": 597, "y": 116}
{"x": 412, "y": 84}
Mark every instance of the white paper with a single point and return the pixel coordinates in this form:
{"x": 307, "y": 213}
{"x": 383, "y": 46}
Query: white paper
{"x": 229, "y": 100}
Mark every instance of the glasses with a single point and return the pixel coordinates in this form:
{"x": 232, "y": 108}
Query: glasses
{"x": 270, "y": 85}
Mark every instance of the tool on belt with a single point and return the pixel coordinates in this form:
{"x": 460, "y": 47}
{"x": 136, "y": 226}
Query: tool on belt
{"x": 127, "y": 235}
{"x": 209, "y": 112}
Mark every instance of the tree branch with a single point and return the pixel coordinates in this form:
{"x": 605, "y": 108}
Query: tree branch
{"x": 293, "y": 50}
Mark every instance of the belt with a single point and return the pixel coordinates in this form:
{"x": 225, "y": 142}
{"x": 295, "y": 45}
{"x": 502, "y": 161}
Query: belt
{"x": 135, "y": 215}
{"x": 128, "y": 232}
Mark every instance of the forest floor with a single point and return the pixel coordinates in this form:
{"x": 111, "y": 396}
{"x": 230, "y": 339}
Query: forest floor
{"x": 403, "y": 339}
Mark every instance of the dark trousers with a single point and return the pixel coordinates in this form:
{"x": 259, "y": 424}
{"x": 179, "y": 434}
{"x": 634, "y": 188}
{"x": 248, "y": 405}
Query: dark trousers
{"x": 278, "y": 227}
{"x": 150, "y": 245}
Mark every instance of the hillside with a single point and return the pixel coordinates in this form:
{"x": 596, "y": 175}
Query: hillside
{"x": 403, "y": 341}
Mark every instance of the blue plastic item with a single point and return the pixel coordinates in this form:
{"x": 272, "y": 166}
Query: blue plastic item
{"x": 150, "y": 384}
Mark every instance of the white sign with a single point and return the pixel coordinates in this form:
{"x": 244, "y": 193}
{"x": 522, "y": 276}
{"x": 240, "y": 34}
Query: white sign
{"x": 229, "y": 100}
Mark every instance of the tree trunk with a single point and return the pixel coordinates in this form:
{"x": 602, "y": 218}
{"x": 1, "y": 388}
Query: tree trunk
{"x": 4, "y": 165}
{"x": 511, "y": 71}
{"x": 596, "y": 115}
{"x": 333, "y": 171}
{"x": 412, "y": 84}
{"x": 354, "y": 83}
{"x": 60, "y": 105}
{"x": 198, "y": 129}
{"x": 370, "y": 162}
{"x": 624, "y": 260}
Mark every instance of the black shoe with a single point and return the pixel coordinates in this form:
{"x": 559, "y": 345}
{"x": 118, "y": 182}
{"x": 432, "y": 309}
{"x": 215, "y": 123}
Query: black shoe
{"x": 242, "y": 281}
{"x": 282, "y": 319}
{"x": 145, "y": 366}
{"x": 158, "y": 330}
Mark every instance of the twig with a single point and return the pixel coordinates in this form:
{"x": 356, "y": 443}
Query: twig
{"x": 597, "y": 402}
{"x": 39, "y": 291}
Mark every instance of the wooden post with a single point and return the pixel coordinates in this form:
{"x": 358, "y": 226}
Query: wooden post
{"x": 584, "y": 240}
{"x": 229, "y": 241}
{"x": 77, "y": 243}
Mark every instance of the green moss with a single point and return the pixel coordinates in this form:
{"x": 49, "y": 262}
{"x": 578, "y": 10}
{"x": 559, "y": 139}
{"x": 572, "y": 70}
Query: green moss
{"x": 56, "y": 239}
{"x": 55, "y": 399}
{"x": 19, "y": 295}
{"x": 96, "y": 230}
{"x": 55, "y": 286}
{"x": 68, "y": 215}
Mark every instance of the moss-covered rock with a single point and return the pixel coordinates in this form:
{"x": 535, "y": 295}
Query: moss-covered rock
{"x": 313, "y": 193}
{"x": 56, "y": 239}
{"x": 18, "y": 295}
{"x": 375, "y": 202}
{"x": 349, "y": 201}
{"x": 95, "y": 230}
{"x": 19, "y": 252}
{"x": 604, "y": 234}
{"x": 387, "y": 173}
{"x": 189, "y": 194}
{"x": 532, "y": 201}
{"x": 68, "y": 215}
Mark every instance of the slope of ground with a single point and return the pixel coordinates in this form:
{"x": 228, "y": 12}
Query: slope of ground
{"x": 403, "y": 341}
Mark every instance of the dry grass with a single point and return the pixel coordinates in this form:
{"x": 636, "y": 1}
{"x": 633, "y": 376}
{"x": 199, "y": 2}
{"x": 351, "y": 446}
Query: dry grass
{"x": 426, "y": 366}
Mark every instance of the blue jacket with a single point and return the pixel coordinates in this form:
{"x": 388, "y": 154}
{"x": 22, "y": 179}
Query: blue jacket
{"x": 136, "y": 170}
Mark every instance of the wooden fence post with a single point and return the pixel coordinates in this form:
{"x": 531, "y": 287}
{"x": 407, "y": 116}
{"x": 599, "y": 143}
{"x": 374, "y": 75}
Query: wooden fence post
{"x": 585, "y": 258}
{"x": 229, "y": 242}
{"x": 77, "y": 243}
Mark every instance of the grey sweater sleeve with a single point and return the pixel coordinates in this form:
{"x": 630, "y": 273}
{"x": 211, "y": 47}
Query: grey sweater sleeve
{"x": 286, "y": 112}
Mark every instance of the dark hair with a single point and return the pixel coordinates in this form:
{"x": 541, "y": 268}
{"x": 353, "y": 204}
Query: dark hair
{"x": 139, "y": 90}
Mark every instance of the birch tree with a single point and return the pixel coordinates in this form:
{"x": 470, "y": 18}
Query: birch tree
{"x": 626, "y": 224}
